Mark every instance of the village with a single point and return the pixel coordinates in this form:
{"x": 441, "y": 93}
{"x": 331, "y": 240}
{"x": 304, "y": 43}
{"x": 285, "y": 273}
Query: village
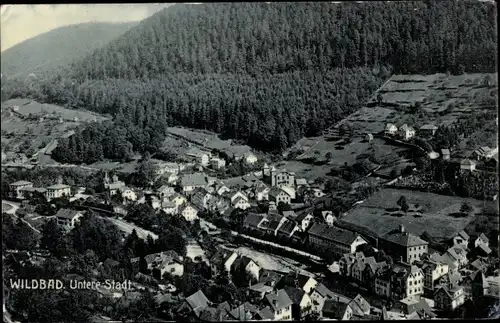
{"x": 414, "y": 276}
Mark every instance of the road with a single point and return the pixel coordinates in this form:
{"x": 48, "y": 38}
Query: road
{"x": 13, "y": 209}
{"x": 129, "y": 227}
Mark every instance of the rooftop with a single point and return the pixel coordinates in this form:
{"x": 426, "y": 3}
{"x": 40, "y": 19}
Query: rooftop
{"x": 279, "y": 300}
{"x": 58, "y": 187}
{"x": 402, "y": 238}
{"x": 21, "y": 183}
{"x": 67, "y": 213}
{"x": 333, "y": 233}
{"x": 198, "y": 301}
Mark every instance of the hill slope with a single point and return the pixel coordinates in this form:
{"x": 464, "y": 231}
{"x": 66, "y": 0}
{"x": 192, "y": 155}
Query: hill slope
{"x": 59, "y": 47}
{"x": 264, "y": 74}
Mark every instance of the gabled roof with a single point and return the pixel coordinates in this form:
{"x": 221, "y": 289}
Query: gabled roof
{"x": 19, "y": 183}
{"x": 445, "y": 151}
{"x": 389, "y": 126}
{"x": 342, "y": 236}
{"x": 335, "y": 309}
{"x": 359, "y": 305}
{"x": 275, "y": 191}
{"x": 467, "y": 161}
{"x": 428, "y": 127}
{"x": 289, "y": 214}
{"x": 266, "y": 313}
{"x": 302, "y": 216}
{"x": 483, "y": 237}
{"x": 197, "y": 301}
{"x": 405, "y": 239}
{"x": 270, "y": 276}
{"x": 463, "y": 235}
{"x": 405, "y": 127}
{"x": 287, "y": 228}
{"x": 57, "y": 187}
{"x": 244, "y": 312}
{"x": 253, "y": 219}
{"x": 261, "y": 288}
{"x": 279, "y": 300}
{"x": 196, "y": 179}
{"x": 295, "y": 294}
{"x": 67, "y": 213}
{"x": 184, "y": 206}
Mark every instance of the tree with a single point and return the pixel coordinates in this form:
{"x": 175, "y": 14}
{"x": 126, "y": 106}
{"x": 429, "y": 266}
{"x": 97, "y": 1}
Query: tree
{"x": 466, "y": 207}
{"x": 403, "y": 204}
{"x": 54, "y": 240}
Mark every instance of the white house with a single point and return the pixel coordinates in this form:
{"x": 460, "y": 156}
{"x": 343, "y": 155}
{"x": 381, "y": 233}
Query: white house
{"x": 67, "y": 218}
{"x": 289, "y": 190}
{"x": 165, "y": 191}
{"x": 217, "y": 163}
{"x": 328, "y": 217}
{"x": 188, "y": 212}
{"x": 177, "y": 199}
{"x": 240, "y": 203}
{"x": 169, "y": 207}
{"x": 199, "y": 156}
{"x": 482, "y": 240}
{"x": 461, "y": 239}
{"x": 467, "y": 165}
{"x": 390, "y": 129}
{"x": 57, "y": 191}
{"x": 406, "y": 132}
{"x": 249, "y": 158}
{"x": 16, "y": 189}
{"x": 278, "y": 195}
{"x": 262, "y": 193}
{"x": 192, "y": 181}
{"x": 281, "y": 305}
{"x": 129, "y": 194}
{"x": 449, "y": 299}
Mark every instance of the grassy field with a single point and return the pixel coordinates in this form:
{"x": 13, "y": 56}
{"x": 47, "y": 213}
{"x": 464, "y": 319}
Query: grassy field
{"x": 443, "y": 98}
{"x": 25, "y": 134}
{"x": 436, "y": 213}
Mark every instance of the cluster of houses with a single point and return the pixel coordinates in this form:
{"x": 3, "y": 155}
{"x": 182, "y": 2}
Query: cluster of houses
{"x": 272, "y": 295}
{"x": 449, "y": 278}
{"x": 20, "y": 189}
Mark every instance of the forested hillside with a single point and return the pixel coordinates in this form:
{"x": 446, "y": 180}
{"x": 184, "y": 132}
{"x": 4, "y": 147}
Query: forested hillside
{"x": 267, "y": 74}
{"x": 58, "y": 47}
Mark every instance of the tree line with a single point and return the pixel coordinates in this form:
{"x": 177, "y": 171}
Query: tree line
{"x": 263, "y": 74}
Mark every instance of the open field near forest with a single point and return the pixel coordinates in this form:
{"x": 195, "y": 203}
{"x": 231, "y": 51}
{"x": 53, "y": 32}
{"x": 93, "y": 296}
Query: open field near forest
{"x": 443, "y": 99}
{"x": 435, "y": 213}
{"x": 32, "y": 126}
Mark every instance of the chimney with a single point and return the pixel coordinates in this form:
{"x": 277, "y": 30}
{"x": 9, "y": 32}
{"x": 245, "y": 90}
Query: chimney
{"x": 401, "y": 228}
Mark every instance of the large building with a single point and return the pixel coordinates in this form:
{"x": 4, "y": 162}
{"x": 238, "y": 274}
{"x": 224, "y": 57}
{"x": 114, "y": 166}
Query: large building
{"x": 67, "y": 218}
{"x": 16, "y": 189}
{"x": 338, "y": 241}
{"x": 403, "y": 246}
{"x": 282, "y": 178}
{"x": 57, "y": 191}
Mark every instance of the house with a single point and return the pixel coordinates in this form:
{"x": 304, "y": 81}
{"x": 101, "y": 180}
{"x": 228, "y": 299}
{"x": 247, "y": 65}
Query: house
{"x": 484, "y": 153}
{"x": 328, "y": 217}
{"x": 280, "y": 304}
{"x": 427, "y": 130}
{"x": 247, "y": 266}
{"x": 482, "y": 239}
{"x": 299, "y": 182}
{"x": 303, "y": 219}
{"x": 188, "y": 212}
{"x": 249, "y": 158}
{"x": 177, "y": 199}
{"x": 165, "y": 191}
{"x": 433, "y": 271}
{"x": 168, "y": 167}
{"x": 278, "y": 195}
{"x": 195, "y": 303}
{"x": 321, "y": 293}
{"x": 240, "y": 203}
{"x": 201, "y": 198}
{"x": 306, "y": 283}
{"x": 467, "y": 165}
{"x": 192, "y": 181}
{"x": 403, "y": 245}
{"x": 262, "y": 193}
{"x": 114, "y": 185}
{"x": 275, "y": 224}
{"x": 162, "y": 263}
{"x": 169, "y": 207}
{"x": 301, "y": 302}
{"x": 390, "y": 129}
{"x": 217, "y": 163}
{"x": 406, "y": 132}
{"x": 260, "y": 290}
{"x": 172, "y": 178}
{"x": 244, "y": 312}
{"x": 282, "y": 178}
{"x": 433, "y": 155}
{"x": 67, "y": 218}
{"x": 360, "y": 307}
{"x": 368, "y": 274}
{"x": 16, "y": 191}
{"x": 445, "y": 153}
{"x": 57, "y": 191}
{"x": 407, "y": 281}
{"x": 265, "y": 314}
{"x": 335, "y": 310}
{"x": 220, "y": 188}
{"x": 382, "y": 286}
{"x": 415, "y": 309}
{"x": 339, "y": 241}
{"x": 128, "y": 194}
{"x": 461, "y": 239}
{"x": 26, "y": 191}
{"x": 198, "y": 156}
{"x": 254, "y": 221}
{"x": 448, "y": 299}
{"x": 222, "y": 261}
{"x": 287, "y": 230}
{"x": 458, "y": 255}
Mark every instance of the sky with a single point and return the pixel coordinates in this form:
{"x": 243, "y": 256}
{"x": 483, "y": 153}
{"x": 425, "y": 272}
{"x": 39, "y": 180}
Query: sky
{"x": 22, "y": 22}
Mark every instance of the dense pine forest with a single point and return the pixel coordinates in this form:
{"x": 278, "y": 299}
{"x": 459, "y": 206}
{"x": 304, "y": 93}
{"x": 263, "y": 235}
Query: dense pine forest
{"x": 265, "y": 74}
